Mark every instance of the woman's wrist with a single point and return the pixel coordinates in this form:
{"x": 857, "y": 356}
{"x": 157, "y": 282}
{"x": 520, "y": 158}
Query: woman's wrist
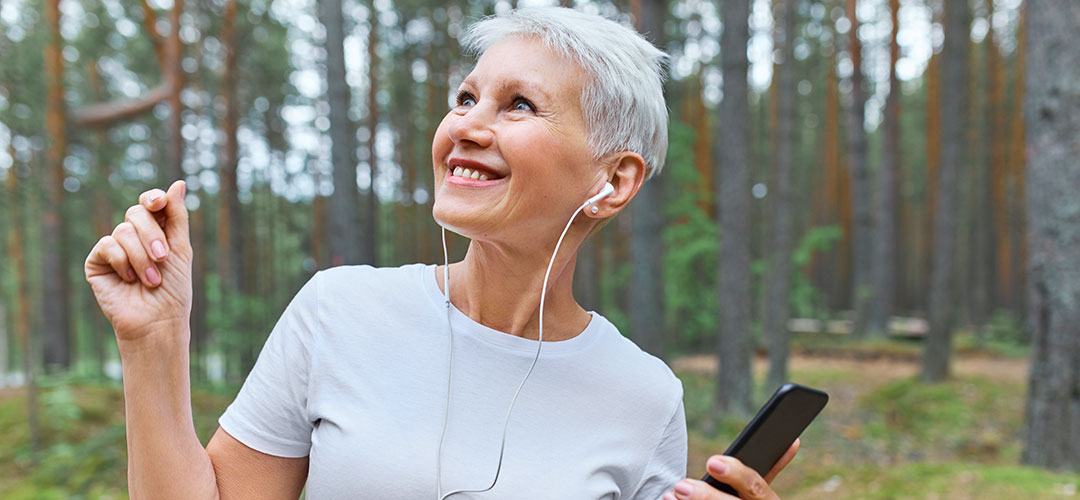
{"x": 157, "y": 340}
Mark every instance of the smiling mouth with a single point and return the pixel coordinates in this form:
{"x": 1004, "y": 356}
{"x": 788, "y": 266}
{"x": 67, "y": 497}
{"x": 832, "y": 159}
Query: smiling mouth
{"x": 470, "y": 174}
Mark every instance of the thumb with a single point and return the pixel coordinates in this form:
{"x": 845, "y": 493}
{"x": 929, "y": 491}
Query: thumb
{"x": 176, "y": 215}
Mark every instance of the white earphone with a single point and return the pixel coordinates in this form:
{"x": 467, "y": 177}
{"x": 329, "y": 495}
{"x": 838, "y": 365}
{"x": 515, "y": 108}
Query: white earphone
{"x": 607, "y": 190}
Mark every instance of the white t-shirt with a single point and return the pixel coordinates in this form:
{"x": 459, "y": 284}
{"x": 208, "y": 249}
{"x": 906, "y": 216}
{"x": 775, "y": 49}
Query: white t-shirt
{"x": 354, "y": 374}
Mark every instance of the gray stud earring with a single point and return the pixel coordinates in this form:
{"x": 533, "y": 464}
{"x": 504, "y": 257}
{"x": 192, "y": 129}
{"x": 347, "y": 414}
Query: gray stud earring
{"x": 595, "y": 209}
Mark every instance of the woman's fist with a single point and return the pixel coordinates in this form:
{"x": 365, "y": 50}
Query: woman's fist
{"x": 141, "y": 273}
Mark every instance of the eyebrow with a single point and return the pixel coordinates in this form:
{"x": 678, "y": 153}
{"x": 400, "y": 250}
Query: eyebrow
{"x": 512, "y": 84}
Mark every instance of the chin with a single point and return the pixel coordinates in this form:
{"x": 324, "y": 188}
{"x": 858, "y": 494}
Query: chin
{"x": 454, "y": 221}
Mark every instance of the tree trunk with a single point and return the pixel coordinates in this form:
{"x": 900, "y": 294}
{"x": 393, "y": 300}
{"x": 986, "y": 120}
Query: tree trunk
{"x": 1016, "y": 173}
{"x": 199, "y": 335}
{"x": 345, "y": 243}
{"x": 777, "y": 307}
{"x": 933, "y": 161}
{"x": 1052, "y": 115}
{"x": 371, "y": 216}
{"x": 985, "y": 164}
{"x": 3, "y": 339}
{"x": 230, "y": 241}
{"x": 174, "y": 74}
{"x": 646, "y": 252}
{"x": 833, "y": 192}
{"x": 102, "y": 214}
{"x": 862, "y": 227}
{"x": 885, "y": 242}
{"x": 22, "y": 307}
{"x": 56, "y": 300}
{"x": 733, "y": 347}
{"x": 937, "y": 349}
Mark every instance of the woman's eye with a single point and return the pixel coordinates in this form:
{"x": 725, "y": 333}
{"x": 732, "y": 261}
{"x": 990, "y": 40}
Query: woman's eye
{"x": 522, "y": 104}
{"x": 465, "y": 99}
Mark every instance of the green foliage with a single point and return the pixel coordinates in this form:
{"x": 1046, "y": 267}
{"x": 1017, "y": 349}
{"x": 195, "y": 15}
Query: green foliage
{"x": 81, "y": 458}
{"x": 806, "y": 300}
{"x": 617, "y": 276}
{"x": 1005, "y": 327}
{"x": 690, "y": 245}
{"x": 935, "y": 480}
{"x": 239, "y": 323}
{"x": 973, "y": 415}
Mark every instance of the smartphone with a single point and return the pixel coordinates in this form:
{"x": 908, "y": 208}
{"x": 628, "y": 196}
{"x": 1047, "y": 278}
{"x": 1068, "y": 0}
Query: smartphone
{"x": 772, "y": 431}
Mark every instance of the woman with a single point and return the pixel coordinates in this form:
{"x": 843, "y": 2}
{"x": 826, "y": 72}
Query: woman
{"x": 351, "y": 395}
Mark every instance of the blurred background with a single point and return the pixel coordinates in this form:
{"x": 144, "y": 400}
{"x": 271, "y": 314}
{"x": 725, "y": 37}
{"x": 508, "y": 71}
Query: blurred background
{"x": 847, "y": 203}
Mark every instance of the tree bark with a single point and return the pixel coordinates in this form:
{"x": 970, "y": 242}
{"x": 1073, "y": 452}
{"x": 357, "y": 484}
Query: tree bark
{"x": 344, "y": 235}
{"x": 646, "y": 252}
{"x": 885, "y": 242}
{"x": 102, "y": 214}
{"x": 833, "y": 193}
{"x": 733, "y": 347}
{"x": 370, "y": 250}
{"x": 56, "y": 300}
{"x": 777, "y": 307}
{"x": 1015, "y": 168}
{"x": 174, "y": 74}
{"x": 933, "y": 161}
{"x": 22, "y": 307}
{"x": 230, "y": 240}
{"x": 862, "y": 227}
{"x": 955, "y": 72}
{"x": 1052, "y": 115}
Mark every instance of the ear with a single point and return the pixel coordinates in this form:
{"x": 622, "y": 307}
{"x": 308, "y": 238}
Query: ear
{"x": 626, "y": 171}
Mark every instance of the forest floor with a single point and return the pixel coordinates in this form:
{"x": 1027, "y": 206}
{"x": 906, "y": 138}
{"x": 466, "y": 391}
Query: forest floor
{"x": 884, "y": 435}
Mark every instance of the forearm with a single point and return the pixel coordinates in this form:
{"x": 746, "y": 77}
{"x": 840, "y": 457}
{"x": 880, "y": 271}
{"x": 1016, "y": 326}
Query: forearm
{"x": 165, "y": 458}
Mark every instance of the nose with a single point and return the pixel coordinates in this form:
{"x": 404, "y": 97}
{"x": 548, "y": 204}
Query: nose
{"x": 473, "y": 126}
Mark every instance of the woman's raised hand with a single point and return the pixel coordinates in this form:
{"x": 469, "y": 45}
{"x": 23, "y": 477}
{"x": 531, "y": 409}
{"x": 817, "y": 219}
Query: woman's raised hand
{"x": 141, "y": 273}
{"x": 729, "y": 470}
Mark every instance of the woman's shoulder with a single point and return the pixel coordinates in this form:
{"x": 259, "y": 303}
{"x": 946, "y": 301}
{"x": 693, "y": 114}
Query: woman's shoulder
{"x": 637, "y": 365}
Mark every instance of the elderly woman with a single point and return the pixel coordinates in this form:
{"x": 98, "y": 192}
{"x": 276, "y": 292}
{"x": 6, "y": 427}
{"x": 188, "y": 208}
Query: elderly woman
{"x": 353, "y": 394}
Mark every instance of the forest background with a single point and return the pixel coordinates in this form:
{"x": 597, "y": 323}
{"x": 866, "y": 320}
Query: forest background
{"x": 853, "y": 199}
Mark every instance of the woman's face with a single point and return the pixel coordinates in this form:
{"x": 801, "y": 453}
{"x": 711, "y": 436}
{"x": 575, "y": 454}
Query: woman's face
{"x": 518, "y": 122}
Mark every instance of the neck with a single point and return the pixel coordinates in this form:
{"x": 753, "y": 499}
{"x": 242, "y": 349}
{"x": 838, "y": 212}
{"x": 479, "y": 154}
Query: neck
{"x": 499, "y": 287}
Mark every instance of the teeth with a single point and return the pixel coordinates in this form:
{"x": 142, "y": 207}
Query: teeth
{"x": 469, "y": 174}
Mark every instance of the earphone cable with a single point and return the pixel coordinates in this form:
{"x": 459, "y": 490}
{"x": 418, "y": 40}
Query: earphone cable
{"x": 540, "y": 343}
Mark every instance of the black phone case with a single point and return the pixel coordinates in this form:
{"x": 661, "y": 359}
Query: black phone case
{"x": 770, "y": 433}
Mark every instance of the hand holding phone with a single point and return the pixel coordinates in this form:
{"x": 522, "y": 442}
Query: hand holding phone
{"x": 773, "y": 430}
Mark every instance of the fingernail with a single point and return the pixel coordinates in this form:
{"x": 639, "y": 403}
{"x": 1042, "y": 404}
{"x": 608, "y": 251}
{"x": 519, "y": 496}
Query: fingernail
{"x": 183, "y": 189}
{"x": 158, "y": 249}
{"x": 131, "y": 275}
{"x": 682, "y": 488}
{"x": 152, "y": 275}
{"x": 717, "y": 466}
{"x": 152, "y": 198}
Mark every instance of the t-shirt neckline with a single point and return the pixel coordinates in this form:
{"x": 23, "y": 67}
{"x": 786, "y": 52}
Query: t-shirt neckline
{"x": 465, "y": 325}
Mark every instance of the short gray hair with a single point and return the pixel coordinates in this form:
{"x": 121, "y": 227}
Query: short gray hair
{"x": 623, "y": 100}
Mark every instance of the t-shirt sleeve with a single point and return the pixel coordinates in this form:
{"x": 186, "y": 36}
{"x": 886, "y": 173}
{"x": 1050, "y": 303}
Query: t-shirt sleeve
{"x": 667, "y": 465}
{"x": 270, "y": 413}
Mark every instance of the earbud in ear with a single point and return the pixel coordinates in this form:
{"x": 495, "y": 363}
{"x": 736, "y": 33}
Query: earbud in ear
{"x": 608, "y": 189}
